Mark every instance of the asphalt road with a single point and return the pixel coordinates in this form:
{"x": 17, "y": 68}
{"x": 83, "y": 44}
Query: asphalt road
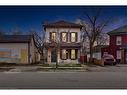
{"x": 63, "y": 80}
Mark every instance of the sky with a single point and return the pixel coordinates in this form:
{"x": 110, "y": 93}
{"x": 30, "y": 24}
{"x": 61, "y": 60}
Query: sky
{"x": 26, "y": 18}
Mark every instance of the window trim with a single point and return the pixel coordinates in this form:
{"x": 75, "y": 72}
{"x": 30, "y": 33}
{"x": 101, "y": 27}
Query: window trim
{"x": 76, "y": 37}
{"x": 118, "y": 54}
{"x": 51, "y": 35}
{"x": 61, "y": 54}
{"x": 75, "y": 54}
{"x": 118, "y": 40}
{"x": 62, "y": 37}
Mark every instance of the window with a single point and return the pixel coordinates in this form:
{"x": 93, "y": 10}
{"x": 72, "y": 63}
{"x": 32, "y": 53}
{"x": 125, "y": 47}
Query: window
{"x": 53, "y": 36}
{"x": 64, "y": 37}
{"x": 73, "y": 54}
{"x": 73, "y": 37}
{"x": 118, "y": 52}
{"x": 118, "y": 40}
{"x": 63, "y": 54}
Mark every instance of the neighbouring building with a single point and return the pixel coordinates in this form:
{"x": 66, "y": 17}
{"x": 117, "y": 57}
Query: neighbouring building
{"x": 118, "y": 44}
{"x": 18, "y": 49}
{"x": 69, "y": 37}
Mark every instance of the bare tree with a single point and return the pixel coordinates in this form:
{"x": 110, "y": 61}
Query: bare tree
{"x": 93, "y": 27}
{"x": 102, "y": 39}
{"x": 40, "y": 43}
{"x": 56, "y": 42}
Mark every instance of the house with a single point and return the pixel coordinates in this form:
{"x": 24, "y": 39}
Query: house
{"x": 118, "y": 44}
{"x": 69, "y": 37}
{"x": 18, "y": 49}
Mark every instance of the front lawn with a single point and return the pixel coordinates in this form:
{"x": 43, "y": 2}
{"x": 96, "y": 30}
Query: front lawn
{"x": 61, "y": 65}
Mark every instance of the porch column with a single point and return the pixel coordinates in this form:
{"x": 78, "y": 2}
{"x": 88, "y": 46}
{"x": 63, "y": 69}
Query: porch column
{"x": 58, "y": 57}
{"x": 78, "y": 55}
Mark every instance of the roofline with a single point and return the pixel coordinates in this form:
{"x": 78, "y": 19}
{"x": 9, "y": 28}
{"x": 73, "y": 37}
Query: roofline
{"x": 16, "y": 42}
{"x": 110, "y": 32}
{"x": 118, "y": 33}
{"x": 62, "y": 26}
{"x": 31, "y": 36}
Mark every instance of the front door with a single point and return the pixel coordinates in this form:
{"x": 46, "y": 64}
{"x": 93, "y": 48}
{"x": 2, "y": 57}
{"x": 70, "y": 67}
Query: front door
{"x": 53, "y": 56}
{"x": 24, "y": 54}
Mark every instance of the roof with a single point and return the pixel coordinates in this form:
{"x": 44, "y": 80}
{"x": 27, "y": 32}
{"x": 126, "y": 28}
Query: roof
{"x": 62, "y": 23}
{"x": 119, "y": 31}
{"x": 15, "y": 38}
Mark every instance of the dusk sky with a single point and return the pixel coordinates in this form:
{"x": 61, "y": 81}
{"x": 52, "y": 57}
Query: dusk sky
{"x": 32, "y": 17}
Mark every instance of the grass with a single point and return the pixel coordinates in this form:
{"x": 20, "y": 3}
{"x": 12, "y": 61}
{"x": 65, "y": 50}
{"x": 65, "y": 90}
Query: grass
{"x": 58, "y": 69}
{"x": 62, "y": 65}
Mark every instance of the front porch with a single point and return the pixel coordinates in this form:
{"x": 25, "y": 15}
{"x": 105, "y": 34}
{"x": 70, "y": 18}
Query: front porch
{"x": 64, "y": 56}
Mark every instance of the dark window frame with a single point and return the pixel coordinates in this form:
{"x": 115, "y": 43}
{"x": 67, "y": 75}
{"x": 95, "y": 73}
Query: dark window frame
{"x": 51, "y": 35}
{"x": 61, "y": 54}
{"x": 62, "y": 37}
{"x": 76, "y": 52}
{"x": 76, "y": 37}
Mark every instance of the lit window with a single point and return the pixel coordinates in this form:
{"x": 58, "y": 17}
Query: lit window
{"x": 73, "y": 37}
{"x": 118, "y": 40}
{"x": 64, "y": 54}
{"x": 64, "y": 37}
{"x": 73, "y": 56}
{"x": 53, "y": 36}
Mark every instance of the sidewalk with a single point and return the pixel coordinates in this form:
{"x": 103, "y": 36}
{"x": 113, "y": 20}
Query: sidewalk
{"x": 83, "y": 68}
{"x": 40, "y": 68}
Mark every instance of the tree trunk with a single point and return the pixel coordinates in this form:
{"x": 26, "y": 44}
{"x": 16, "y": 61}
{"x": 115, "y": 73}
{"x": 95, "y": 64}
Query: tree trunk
{"x": 56, "y": 59}
{"x": 91, "y": 54}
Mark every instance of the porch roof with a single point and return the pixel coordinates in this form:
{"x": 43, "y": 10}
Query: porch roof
{"x": 68, "y": 45}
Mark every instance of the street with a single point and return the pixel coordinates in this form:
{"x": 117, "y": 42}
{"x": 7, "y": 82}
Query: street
{"x": 63, "y": 80}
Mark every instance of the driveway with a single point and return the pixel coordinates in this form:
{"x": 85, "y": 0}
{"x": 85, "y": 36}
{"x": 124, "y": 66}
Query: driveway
{"x": 108, "y": 68}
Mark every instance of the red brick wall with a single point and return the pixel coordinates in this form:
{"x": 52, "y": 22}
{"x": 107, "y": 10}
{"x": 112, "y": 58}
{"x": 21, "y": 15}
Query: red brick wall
{"x": 112, "y": 40}
{"x": 111, "y": 49}
{"x": 124, "y": 39}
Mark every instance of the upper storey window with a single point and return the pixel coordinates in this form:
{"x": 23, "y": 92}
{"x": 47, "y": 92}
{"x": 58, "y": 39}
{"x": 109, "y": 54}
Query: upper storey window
{"x": 118, "y": 40}
{"x": 52, "y": 36}
{"x": 73, "y": 37}
{"x": 64, "y": 37}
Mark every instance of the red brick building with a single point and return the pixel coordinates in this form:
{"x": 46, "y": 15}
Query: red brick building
{"x": 118, "y": 44}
